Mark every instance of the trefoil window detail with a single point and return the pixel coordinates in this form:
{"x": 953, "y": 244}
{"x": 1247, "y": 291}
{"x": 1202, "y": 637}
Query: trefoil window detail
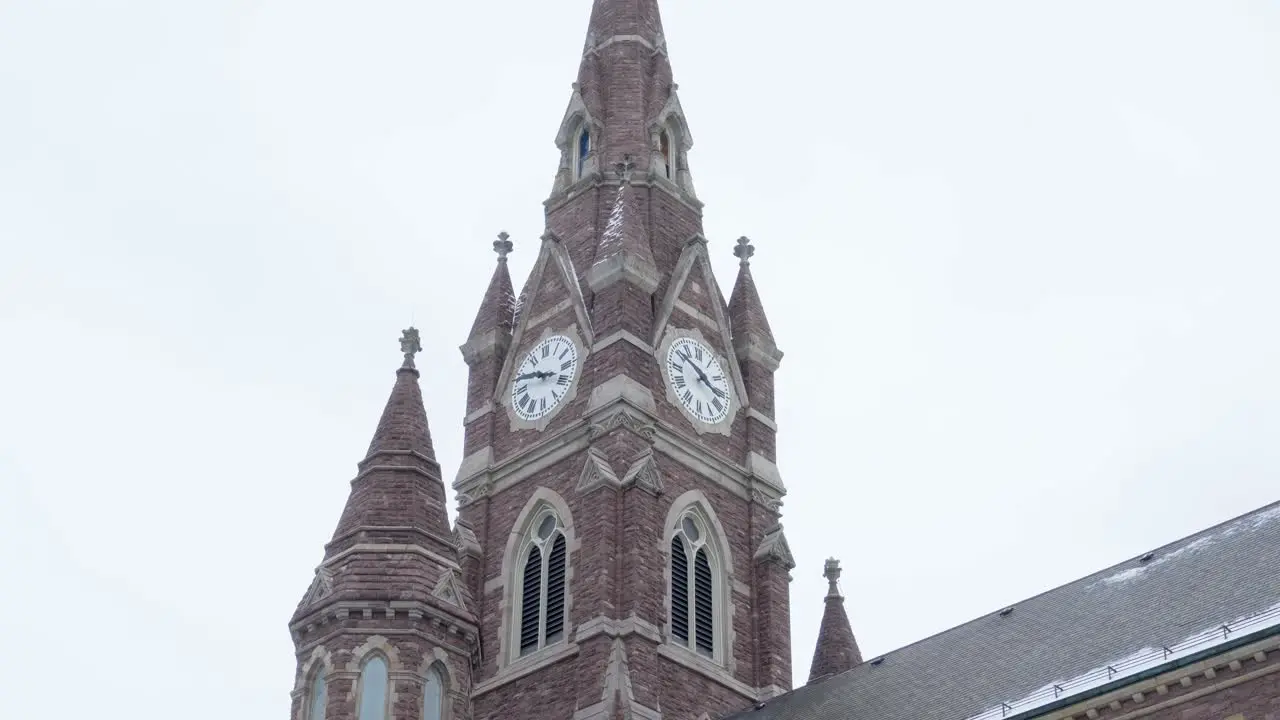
{"x": 543, "y": 578}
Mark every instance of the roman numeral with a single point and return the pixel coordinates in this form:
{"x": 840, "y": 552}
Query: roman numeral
{"x": 697, "y": 352}
{"x": 715, "y": 403}
{"x": 688, "y": 396}
{"x": 566, "y": 352}
{"x": 562, "y": 380}
{"x": 679, "y": 382}
{"x": 566, "y": 365}
{"x": 542, "y": 404}
{"x": 718, "y": 378}
{"x": 546, "y": 350}
{"x": 699, "y": 407}
{"x": 523, "y": 402}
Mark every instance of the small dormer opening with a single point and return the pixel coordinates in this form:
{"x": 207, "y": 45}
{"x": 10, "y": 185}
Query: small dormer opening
{"x": 664, "y": 147}
{"x": 582, "y": 151}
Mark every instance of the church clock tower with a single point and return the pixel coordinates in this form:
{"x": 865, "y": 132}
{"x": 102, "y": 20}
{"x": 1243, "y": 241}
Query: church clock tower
{"x": 619, "y": 496}
{"x": 617, "y": 551}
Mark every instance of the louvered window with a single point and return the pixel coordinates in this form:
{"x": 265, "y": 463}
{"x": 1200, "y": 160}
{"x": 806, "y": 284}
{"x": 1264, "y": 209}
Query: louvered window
{"x": 543, "y": 585}
{"x": 679, "y": 590}
{"x": 693, "y": 588}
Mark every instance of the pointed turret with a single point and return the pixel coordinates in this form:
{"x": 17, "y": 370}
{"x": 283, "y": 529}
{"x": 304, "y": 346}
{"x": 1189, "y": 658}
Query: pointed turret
{"x": 399, "y": 484}
{"x": 612, "y": 18}
{"x": 837, "y": 650}
{"x": 496, "y": 309}
{"x": 390, "y": 580}
{"x": 745, "y": 310}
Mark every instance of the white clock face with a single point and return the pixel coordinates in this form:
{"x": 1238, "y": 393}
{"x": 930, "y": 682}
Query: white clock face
{"x": 544, "y": 377}
{"x": 697, "y": 378}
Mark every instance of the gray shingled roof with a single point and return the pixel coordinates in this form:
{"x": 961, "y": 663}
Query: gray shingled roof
{"x": 1217, "y": 576}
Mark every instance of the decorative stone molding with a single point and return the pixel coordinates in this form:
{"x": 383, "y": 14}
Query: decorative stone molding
{"x": 465, "y": 539}
{"x": 449, "y": 589}
{"x": 774, "y": 547}
{"x": 622, "y": 420}
{"x": 644, "y": 474}
{"x": 375, "y": 643}
{"x": 596, "y": 472}
{"x": 772, "y": 504}
{"x": 321, "y": 586}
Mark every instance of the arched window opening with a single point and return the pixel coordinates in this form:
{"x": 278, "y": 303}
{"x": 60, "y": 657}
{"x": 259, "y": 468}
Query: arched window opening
{"x": 373, "y": 689}
{"x": 543, "y": 585}
{"x": 664, "y": 147}
{"x": 583, "y": 151}
{"x": 693, "y": 587}
{"x": 433, "y": 695}
{"x": 318, "y": 696}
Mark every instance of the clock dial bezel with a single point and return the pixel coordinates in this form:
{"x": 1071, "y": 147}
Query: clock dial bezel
{"x": 678, "y": 382}
{"x": 558, "y": 394}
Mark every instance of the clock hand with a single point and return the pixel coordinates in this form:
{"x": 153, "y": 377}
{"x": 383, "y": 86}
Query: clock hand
{"x": 701, "y": 375}
{"x": 539, "y": 374}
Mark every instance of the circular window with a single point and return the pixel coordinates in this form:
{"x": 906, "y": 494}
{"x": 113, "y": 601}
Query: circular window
{"x": 547, "y": 527}
{"x": 691, "y": 529}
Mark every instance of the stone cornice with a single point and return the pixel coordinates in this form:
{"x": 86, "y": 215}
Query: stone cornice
{"x": 339, "y": 611}
{"x": 709, "y": 670}
{"x": 484, "y": 479}
{"x": 393, "y": 548}
{"x": 526, "y": 666}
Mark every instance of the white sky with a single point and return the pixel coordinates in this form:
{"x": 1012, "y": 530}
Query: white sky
{"x": 1021, "y": 257}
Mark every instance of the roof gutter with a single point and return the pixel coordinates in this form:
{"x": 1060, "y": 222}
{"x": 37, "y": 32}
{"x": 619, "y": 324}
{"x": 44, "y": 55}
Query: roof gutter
{"x": 1149, "y": 673}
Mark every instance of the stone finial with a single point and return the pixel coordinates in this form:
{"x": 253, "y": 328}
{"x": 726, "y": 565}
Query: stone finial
{"x": 410, "y": 345}
{"x": 831, "y": 571}
{"x": 624, "y": 169}
{"x": 744, "y": 250}
{"x": 503, "y": 246}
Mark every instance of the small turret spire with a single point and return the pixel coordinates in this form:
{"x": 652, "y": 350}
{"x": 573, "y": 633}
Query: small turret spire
{"x": 837, "y": 650}
{"x": 745, "y": 310}
{"x": 403, "y": 427}
{"x": 495, "y": 311}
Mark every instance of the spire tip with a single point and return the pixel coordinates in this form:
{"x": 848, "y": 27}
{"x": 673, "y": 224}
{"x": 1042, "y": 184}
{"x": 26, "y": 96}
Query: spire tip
{"x": 410, "y": 345}
{"x": 744, "y": 250}
{"x": 503, "y": 246}
{"x": 831, "y": 571}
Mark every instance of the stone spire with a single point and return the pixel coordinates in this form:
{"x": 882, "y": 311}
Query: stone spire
{"x": 837, "y": 650}
{"x": 496, "y": 309}
{"x": 389, "y": 582}
{"x": 399, "y": 482}
{"x": 614, "y": 18}
{"x": 745, "y": 310}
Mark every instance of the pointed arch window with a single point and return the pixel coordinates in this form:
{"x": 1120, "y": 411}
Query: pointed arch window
{"x": 582, "y": 150}
{"x": 373, "y": 689}
{"x": 664, "y": 147}
{"x": 694, "y": 586}
{"x": 542, "y": 585}
{"x": 318, "y": 697}
{"x": 433, "y": 695}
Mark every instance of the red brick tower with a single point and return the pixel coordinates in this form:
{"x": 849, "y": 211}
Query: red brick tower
{"x": 618, "y": 500}
{"x": 387, "y": 629}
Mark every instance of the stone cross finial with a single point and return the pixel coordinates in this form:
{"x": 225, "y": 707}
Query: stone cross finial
{"x": 410, "y": 345}
{"x": 503, "y": 246}
{"x": 624, "y": 168}
{"x": 744, "y": 250}
{"x": 831, "y": 571}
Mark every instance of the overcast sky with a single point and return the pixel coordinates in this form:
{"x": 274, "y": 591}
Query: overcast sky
{"x": 1021, "y": 257}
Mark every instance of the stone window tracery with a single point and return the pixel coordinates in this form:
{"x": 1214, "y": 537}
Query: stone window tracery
{"x": 541, "y": 585}
{"x": 695, "y": 586}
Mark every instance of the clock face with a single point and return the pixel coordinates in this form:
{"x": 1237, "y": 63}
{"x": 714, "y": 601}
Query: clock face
{"x": 543, "y": 377}
{"x": 697, "y": 378}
